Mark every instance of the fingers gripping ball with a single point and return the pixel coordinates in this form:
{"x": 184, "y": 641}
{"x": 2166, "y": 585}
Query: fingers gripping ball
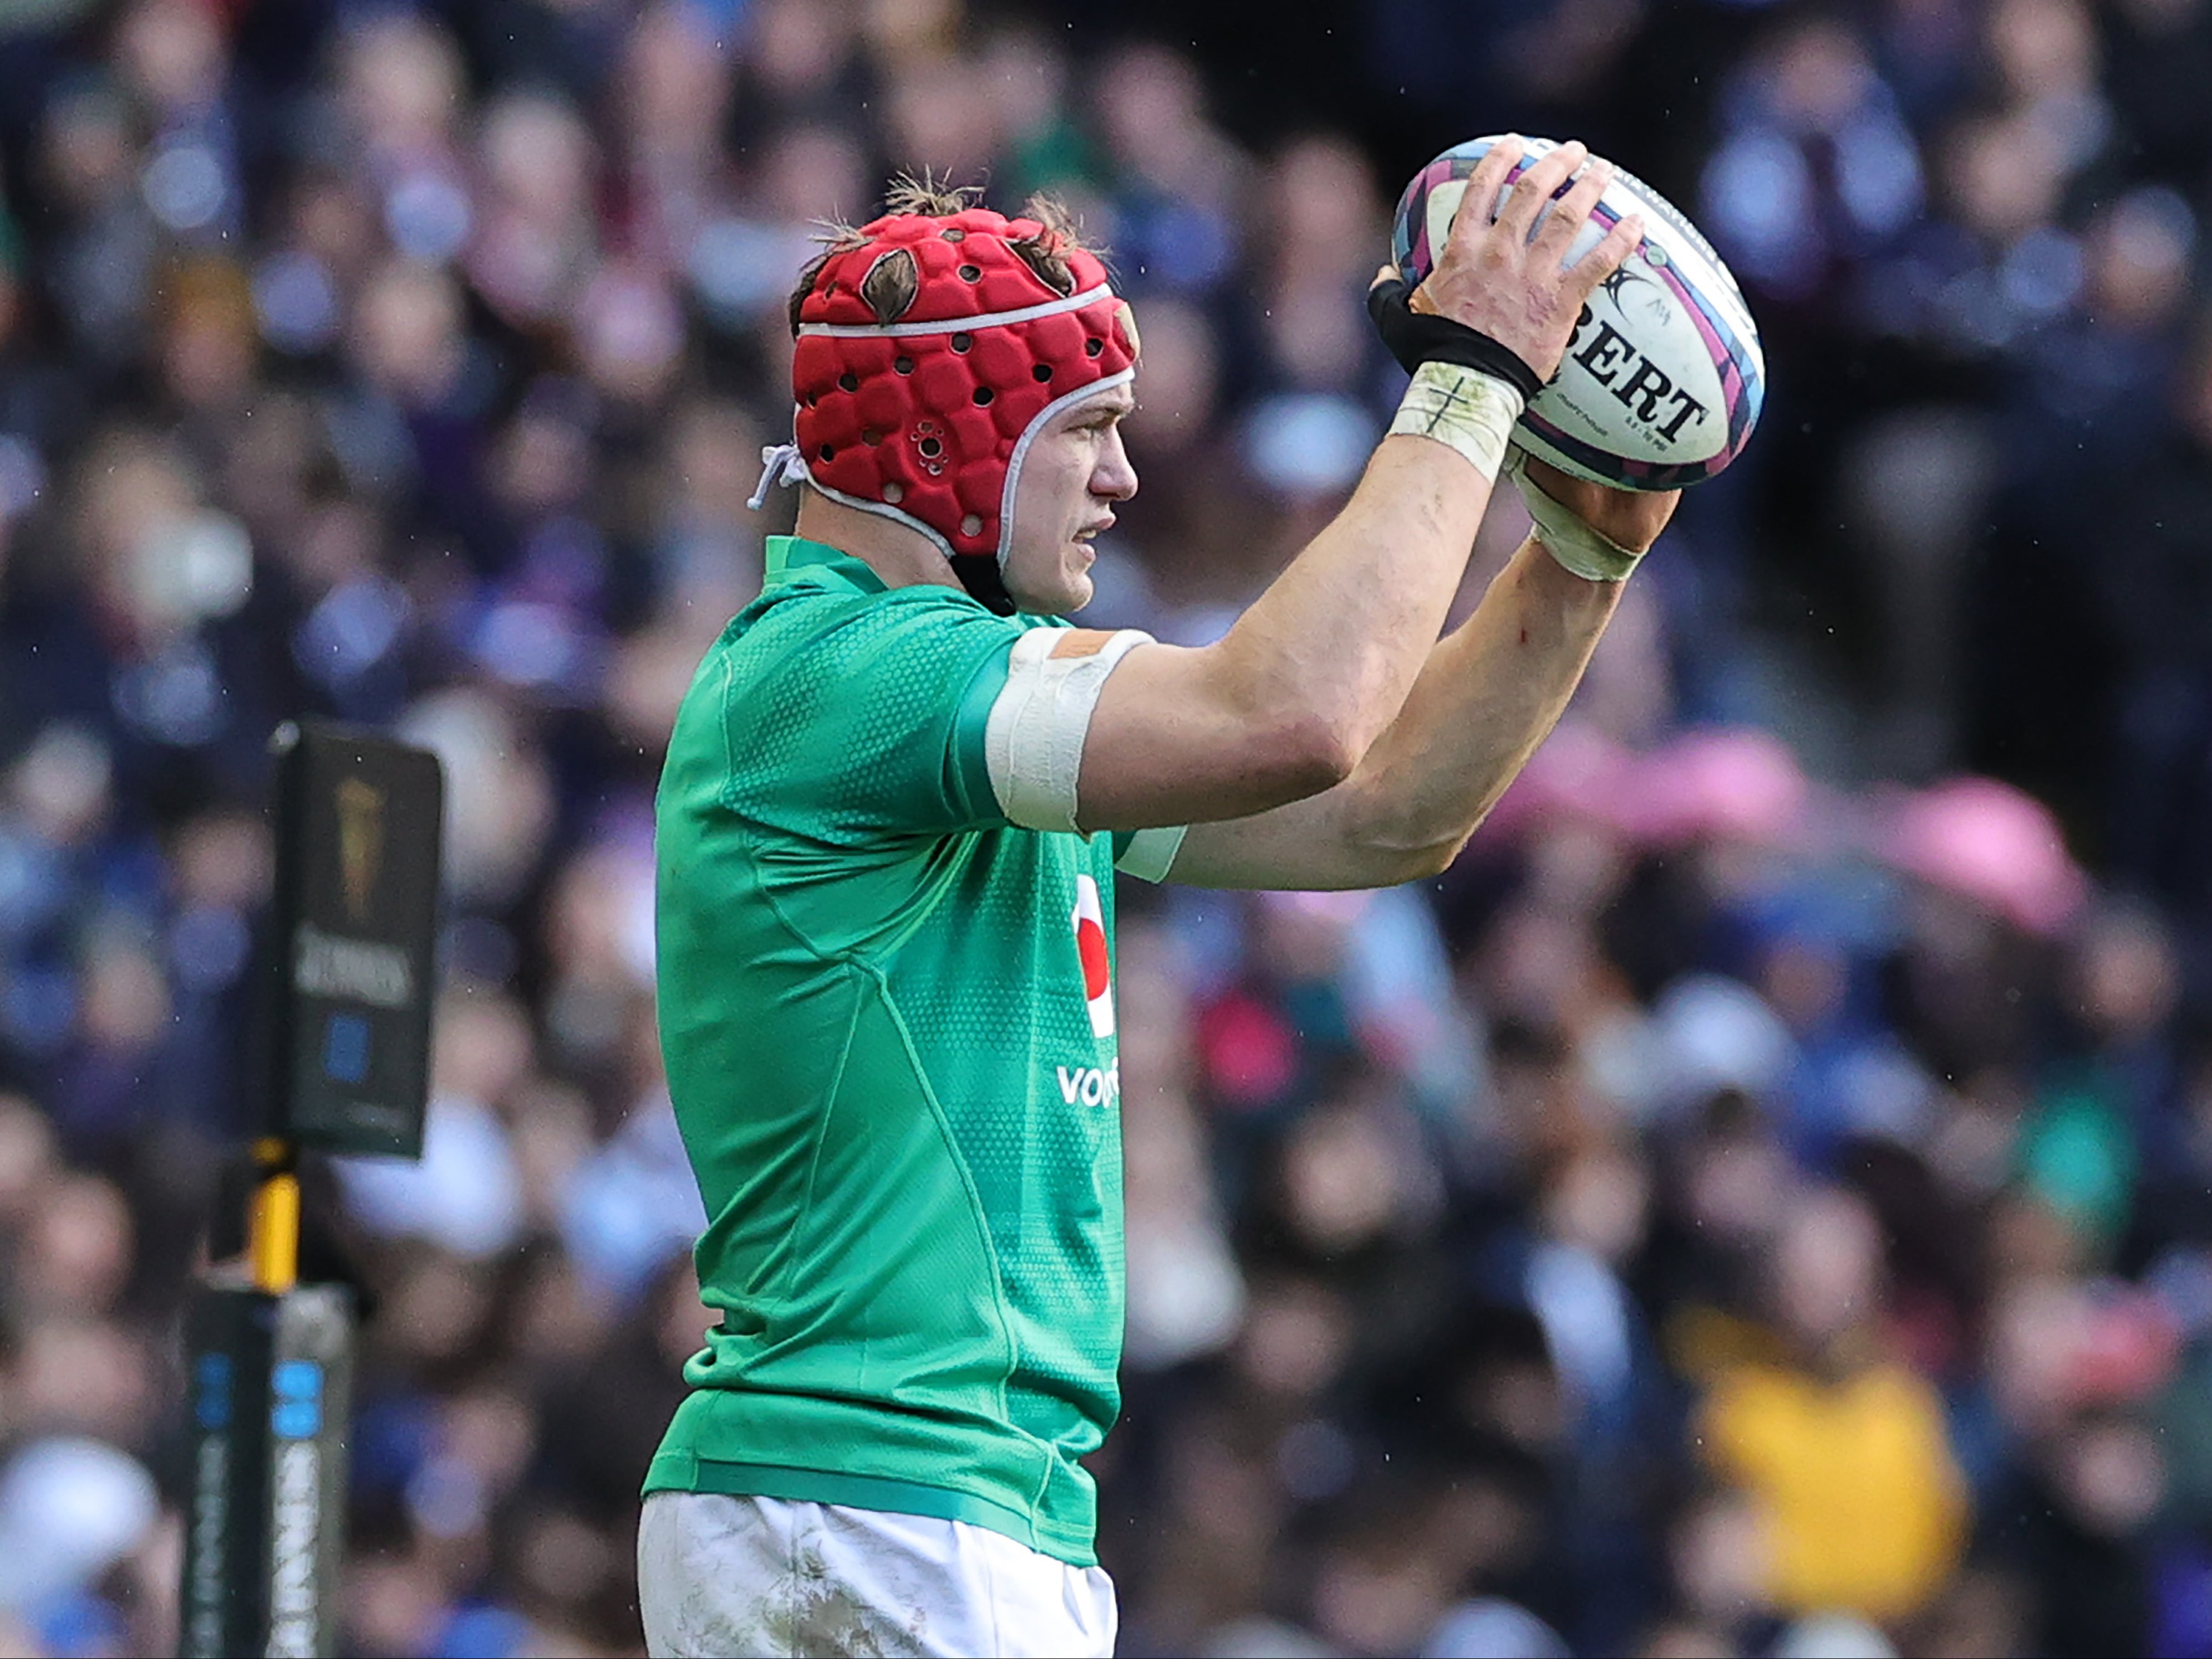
{"x": 1662, "y": 382}
{"x": 929, "y": 350}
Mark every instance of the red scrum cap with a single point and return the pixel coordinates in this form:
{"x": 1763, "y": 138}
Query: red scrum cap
{"x": 932, "y": 349}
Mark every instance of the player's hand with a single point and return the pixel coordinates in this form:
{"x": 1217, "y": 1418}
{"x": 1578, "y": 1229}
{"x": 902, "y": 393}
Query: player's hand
{"x": 1495, "y": 279}
{"x": 1632, "y": 518}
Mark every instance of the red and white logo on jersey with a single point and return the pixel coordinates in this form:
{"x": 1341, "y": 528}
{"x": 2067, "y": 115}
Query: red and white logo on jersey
{"x": 1090, "y": 921}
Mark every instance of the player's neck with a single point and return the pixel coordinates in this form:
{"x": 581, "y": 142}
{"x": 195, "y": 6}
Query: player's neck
{"x": 903, "y": 557}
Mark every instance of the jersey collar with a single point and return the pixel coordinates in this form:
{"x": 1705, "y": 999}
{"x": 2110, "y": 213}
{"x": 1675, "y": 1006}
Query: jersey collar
{"x": 786, "y": 556}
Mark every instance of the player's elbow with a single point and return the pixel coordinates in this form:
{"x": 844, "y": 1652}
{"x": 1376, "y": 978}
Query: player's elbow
{"x": 1272, "y": 737}
{"x": 1307, "y": 752}
{"x": 1427, "y": 862}
{"x": 1299, "y": 728}
{"x": 1385, "y": 861}
{"x": 1396, "y": 839}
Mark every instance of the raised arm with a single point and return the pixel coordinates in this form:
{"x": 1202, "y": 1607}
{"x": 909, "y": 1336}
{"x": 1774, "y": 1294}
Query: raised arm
{"x": 1485, "y": 697}
{"x": 1289, "y": 701}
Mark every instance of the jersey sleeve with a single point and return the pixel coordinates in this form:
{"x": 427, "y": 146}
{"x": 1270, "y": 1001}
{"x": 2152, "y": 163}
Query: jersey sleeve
{"x": 874, "y": 723}
{"x": 1148, "y": 855}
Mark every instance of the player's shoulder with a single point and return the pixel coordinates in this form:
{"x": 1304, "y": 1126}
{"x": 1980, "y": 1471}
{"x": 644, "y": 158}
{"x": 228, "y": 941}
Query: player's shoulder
{"x": 829, "y": 629}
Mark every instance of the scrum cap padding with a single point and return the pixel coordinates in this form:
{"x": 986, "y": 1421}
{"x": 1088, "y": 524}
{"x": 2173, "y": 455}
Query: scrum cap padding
{"x": 931, "y": 351}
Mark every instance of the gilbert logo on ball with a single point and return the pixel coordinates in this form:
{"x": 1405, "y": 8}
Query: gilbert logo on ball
{"x": 1662, "y": 385}
{"x": 1090, "y": 922}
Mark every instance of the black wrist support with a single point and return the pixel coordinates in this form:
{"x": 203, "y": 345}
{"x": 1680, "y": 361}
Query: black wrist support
{"x": 1418, "y": 336}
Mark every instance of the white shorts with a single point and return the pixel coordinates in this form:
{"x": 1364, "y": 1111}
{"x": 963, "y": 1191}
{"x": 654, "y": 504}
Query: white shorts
{"x": 719, "y": 1576}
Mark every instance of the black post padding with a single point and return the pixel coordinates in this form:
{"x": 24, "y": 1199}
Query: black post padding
{"x": 269, "y": 1396}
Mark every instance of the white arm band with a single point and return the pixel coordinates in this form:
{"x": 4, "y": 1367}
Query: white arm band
{"x": 1033, "y": 743}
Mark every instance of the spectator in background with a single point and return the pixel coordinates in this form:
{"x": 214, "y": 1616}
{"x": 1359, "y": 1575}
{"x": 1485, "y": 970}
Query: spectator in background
{"x": 1842, "y": 1453}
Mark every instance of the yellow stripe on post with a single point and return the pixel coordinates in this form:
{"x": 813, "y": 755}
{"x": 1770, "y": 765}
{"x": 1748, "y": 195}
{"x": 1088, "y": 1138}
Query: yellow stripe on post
{"x": 273, "y": 1236}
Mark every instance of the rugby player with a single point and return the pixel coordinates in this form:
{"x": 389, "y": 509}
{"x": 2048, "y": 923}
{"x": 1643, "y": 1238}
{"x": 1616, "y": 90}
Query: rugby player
{"x": 892, "y": 807}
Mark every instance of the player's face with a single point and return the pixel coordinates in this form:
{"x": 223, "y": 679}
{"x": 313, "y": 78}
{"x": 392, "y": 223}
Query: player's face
{"x": 1076, "y": 470}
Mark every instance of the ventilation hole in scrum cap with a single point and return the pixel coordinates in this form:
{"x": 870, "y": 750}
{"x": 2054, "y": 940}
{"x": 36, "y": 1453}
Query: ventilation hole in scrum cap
{"x": 983, "y": 395}
{"x": 871, "y": 437}
{"x": 848, "y": 381}
{"x": 972, "y": 524}
{"x": 1041, "y": 373}
{"x": 971, "y": 273}
{"x": 902, "y": 364}
{"x": 953, "y": 233}
{"x": 962, "y": 342}
{"x": 828, "y": 452}
{"x": 894, "y": 492}
{"x": 1092, "y": 348}
{"x": 932, "y": 447}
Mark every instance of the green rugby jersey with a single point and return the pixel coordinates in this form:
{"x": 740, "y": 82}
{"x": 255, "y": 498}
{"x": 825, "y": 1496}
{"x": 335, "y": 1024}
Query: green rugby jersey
{"x": 887, "y": 1016}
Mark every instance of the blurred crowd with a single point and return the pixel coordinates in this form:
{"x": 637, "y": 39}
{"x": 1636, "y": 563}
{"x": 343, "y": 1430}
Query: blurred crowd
{"x": 1759, "y": 1202}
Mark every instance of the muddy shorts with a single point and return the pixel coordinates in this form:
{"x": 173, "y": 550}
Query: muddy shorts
{"x": 719, "y": 1576}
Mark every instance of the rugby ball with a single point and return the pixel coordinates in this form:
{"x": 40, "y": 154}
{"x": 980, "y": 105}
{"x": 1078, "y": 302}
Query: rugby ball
{"x": 1662, "y": 384}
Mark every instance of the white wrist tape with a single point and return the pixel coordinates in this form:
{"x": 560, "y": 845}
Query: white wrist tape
{"x": 1033, "y": 741}
{"x": 1589, "y": 553}
{"x": 1471, "y": 412}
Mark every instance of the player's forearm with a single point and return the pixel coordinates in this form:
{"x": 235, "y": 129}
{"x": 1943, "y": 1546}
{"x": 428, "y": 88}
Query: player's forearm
{"x": 1485, "y": 699}
{"x": 1343, "y": 632}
